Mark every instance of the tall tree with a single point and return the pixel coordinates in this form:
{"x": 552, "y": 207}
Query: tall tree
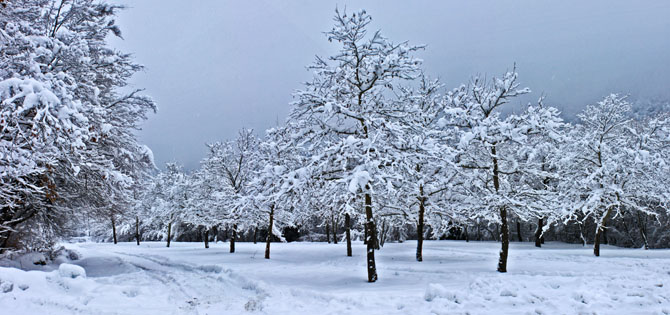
{"x": 344, "y": 116}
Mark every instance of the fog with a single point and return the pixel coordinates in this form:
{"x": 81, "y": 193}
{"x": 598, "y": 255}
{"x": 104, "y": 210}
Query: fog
{"x": 214, "y": 67}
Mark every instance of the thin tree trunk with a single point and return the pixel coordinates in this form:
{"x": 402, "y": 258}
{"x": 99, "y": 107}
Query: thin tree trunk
{"x": 347, "y": 223}
{"x": 538, "y": 232}
{"x": 518, "y": 230}
{"x": 479, "y": 232}
{"x": 206, "y": 238}
{"x": 370, "y": 228}
{"x": 232, "y": 238}
{"x": 137, "y": 230}
{"x": 114, "y": 229}
{"x": 599, "y": 230}
{"x": 504, "y": 233}
{"x": 334, "y": 225}
{"x": 419, "y": 226}
{"x": 255, "y": 234}
{"x": 169, "y": 233}
{"x": 467, "y": 236}
{"x": 328, "y": 232}
{"x": 643, "y": 232}
{"x": 504, "y": 237}
{"x": 269, "y": 237}
{"x": 381, "y": 236}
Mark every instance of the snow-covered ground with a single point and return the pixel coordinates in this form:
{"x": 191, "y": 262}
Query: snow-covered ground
{"x": 317, "y": 278}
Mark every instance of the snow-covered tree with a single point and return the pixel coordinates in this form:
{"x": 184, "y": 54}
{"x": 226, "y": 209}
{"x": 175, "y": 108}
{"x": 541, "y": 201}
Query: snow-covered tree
{"x": 612, "y": 165}
{"x": 67, "y": 132}
{"x": 345, "y": 117}
{"x": 497, "y": 154}
{"x": 278, "y": 185}
{"x": 427, "y": 172}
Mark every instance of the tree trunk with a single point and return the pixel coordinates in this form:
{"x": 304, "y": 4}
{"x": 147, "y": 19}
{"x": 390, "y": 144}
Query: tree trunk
{"x": 137, "y": 230}
{"x": 419, "y": 226}
{"x": 504, "y": 237}
{"x": 232, "y": 238}
{"x": 334, "y": 225}
{"x": 365, "y": 234}
{"x": 206, "y": 238}
{"x": 169, "y": 233}
{"x": 504, "y": 233}
{"x": 114, "y": 229}
{"x": 538, "y": 232}
{"x": 479, "y": 232}
{"x": 518, "y": 231}
{"x": 328, "y": 232}
{"x": 255, "y": 234}
{"x": 643, "y": 232}
{"x": 599, "y": 230}
{"x": 467, "y": 236}
{"x": 581, "y": 233}
{"x": 370, "y": 228}
{"x": 269, "y": 238}
{"x": 347, "y": 223}
{"x": 381, "y": 236}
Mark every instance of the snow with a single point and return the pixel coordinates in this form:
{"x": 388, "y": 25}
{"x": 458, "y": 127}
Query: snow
{"x": 309, "y": 278}
{"x": 71, "y": 271}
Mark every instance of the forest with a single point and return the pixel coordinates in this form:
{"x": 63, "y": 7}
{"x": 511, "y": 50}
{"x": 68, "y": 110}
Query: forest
{"x": 374, "y": 150}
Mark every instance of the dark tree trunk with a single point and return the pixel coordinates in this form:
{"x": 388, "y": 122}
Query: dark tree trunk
{"x": 328, "y": 232}
{"x": 419, "y": 226}
{"x": 604, "y": 241}
{"x": 370, "y": 228}
{"x": 504, "y": 233}
{"x": 504, "y": 237}
{"x": 206, "y": 238}
{"x": 232, "y": 238}
{"x": 114, "y": 229}
{"x": 137, "y": 230}
{"x": 169, "y": 233}
{"x": 596, "y": 242}
{"x": 365, "y": 234}
{"x": 600, "y": 230}
{"x": 518, "y": 231}
{"x": 334, "y": 225}
{"x": 381, "y": 236}
{"x": 467, "y": 236}
{"x": 538, "y": 232}
{"x": 643, "y": 232}
{"x": 255, "y": 234}
{"x": 269, "y": 237}
{"x": 347, "y": 226}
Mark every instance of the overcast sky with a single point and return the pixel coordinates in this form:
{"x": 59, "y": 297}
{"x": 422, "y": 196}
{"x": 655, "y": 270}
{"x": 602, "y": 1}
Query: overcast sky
{"x": 214, "y": 67}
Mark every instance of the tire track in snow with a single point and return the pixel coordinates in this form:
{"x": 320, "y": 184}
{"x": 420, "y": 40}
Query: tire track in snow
{"x": 199, "y": 287}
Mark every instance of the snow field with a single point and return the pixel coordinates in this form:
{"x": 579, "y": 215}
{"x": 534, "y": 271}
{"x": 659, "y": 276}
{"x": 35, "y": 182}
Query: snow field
{"x": 317, "y": 278}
